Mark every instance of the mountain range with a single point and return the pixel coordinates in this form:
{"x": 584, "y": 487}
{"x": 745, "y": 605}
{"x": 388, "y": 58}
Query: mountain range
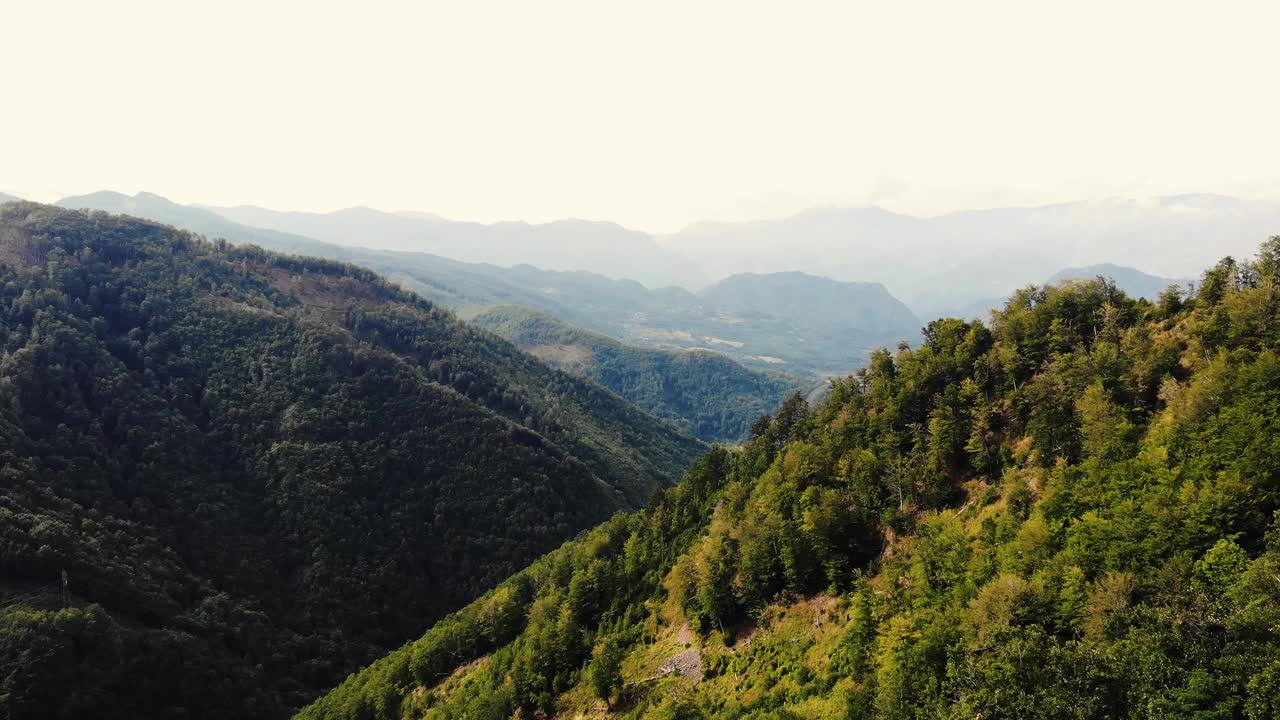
{"x": 793, "y": 322}
{"x": 600, "y": 247}
{"x": 231, "y": 477}
{"x": 958, "y": 264}
{"x": 949, "y": 264}
{"x": 1068, "y": 513}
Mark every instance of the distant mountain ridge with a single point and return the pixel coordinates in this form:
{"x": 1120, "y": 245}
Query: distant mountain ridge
{"x": 156, "y": 208}
{"x": 1133, "y": 282}
{"x": 605, "y": 248}
{"x": 785, "y": 334}
{"x": 812, "y": 301}
{"x": 945, "y": 264}
{"x": 957, "y": 264}
{"x": 948, "y": 264}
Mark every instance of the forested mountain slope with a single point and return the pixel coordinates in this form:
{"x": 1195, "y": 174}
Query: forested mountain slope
{"x": 259, "y": 472}
{"x": 707, "y": 393}
{"x": 659, "y": 381}
{"x": 1071, "y": 513}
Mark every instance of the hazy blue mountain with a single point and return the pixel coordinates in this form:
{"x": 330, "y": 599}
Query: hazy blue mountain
{"x": 809, "y": 319}
{"x": 763, "y": 321}
{"x": 777, "y": 332}
{"x": 601, "y": 247}
{"x": 949, "y": 264}
{"x": 1134, "y": 282}
{"x": 4, "y": 198}
{"x": 159, "y": 209}
{"x": 952, "y": 264}
{"x": 955, "y": 264}
{"x": 812, "y": 301}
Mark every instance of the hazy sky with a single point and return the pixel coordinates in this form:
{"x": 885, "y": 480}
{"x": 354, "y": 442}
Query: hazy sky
{"x": 653, "y": 114}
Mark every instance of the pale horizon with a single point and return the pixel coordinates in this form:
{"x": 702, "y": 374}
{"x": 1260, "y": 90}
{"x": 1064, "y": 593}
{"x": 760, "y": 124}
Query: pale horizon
{"x": 1137, "y": 200}
{"x": 653, "y": 117}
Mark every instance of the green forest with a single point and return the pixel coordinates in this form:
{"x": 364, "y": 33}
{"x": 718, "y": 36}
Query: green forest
{"x": 1067, "y": 512}
{"x": 704, "y": 392}
{"x": 228, "y": 478}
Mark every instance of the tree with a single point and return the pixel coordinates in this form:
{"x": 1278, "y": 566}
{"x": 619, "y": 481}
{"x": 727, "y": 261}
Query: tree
{"x": 605, "y": 672}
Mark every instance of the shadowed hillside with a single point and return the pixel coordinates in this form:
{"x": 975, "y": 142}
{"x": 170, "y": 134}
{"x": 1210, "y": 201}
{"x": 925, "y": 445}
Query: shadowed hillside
{"x": 259, "y": 472}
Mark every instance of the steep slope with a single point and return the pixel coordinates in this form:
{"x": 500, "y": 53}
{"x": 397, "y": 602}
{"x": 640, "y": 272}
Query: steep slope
{"x": 627, "y": 471}
{"x": 259, "y": 472}
{"x": 1072, "y": 513}
{"x": 1133, "y": 282}
{"x": 704, "y": 392}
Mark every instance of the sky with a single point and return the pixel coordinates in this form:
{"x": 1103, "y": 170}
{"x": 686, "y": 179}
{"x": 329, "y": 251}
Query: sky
{"x": 653, "y": 114}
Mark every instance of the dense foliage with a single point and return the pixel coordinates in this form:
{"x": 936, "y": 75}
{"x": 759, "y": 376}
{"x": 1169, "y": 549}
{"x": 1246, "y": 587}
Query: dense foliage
{"x": 1071, "y": 513}
{"x": 259, "y": 472}
{"x": 704, "y": 392}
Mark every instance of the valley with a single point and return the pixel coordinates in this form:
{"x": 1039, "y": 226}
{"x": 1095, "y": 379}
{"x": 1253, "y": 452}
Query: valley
{"x": 233, "y": 453}
{"x": 574, "y": 360}
{"x": 729, "y": 317}
{"x": 1069, "y": 513}
{"x": 700, "y": 390}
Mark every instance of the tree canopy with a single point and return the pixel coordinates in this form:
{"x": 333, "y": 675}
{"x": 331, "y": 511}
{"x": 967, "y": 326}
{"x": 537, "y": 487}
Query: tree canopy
{"x": 1068, "y": 513}
{"x": 261, "y": 472}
